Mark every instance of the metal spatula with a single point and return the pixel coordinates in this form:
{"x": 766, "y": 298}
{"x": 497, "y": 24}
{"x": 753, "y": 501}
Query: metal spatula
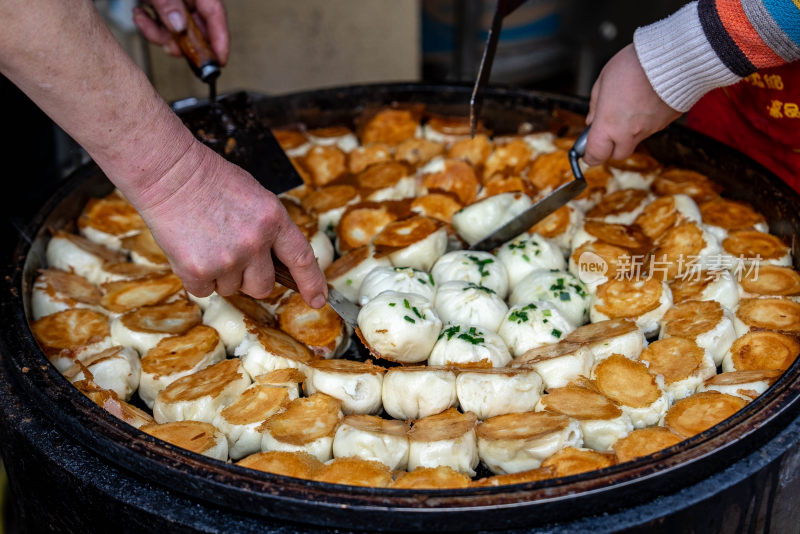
{"x": 346, "y": 309}
{"x": 503, "y": 9}
{"x": 545, "y": 206}
{"x": 562, "y": 194}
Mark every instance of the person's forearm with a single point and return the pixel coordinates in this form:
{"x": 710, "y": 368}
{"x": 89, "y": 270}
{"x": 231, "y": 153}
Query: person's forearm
{"x": 61, "y": 54}
{"x": 709, "y": 44}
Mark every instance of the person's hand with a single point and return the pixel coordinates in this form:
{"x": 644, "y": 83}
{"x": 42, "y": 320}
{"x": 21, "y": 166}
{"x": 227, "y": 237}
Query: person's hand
{"x": 624, "y": 109}
{"x": 218, "y": 225}
{"x": 208, "y": 14}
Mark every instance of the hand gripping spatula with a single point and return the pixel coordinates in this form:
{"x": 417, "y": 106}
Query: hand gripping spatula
{"x": 280, "y": 175}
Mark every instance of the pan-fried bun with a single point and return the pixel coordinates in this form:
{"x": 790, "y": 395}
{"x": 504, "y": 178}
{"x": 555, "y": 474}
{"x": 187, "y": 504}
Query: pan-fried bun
{"x": 347, "y": 273}
{"x": 123, "y": 296}
{"x": 116, "y": 369}
{"x": 298, "y": 464}
{"x": 745, "y": 384}
{"x": 643, "y": 300}
{"x": 630, "y": 384}
{"x": 683, "y": 181}
{"x": 665, "y": 213}
{"x": 390, "y": 126}
{"x": 325, "y": 164}
{"x": 683, "y": 364}
{"x": 702, "y": 284}
{"x": 528, "y": 253}
{"x": 308, "y": 424}
{"x": 415, "y": 392}
{"x": 445, "y": 439}
{"x": 356, "y": 384}
{"x": 645, "y": 441}
{"x": 621, "y": 207}
{"x": 198, "y": 437}
{"x": 519, "y": 442}
{"x": 761, "y": 349}
{"x": 402, "y": 327}
{"x": 110, "y": 402}
{"x": 440, "y": 477}
{"x": 70, "y": 252}
{"x": 705, "y": 322}
{"x": 199, "y": 396}
{"x": 483, "y": 217}
{"x": 701, "y": 411}
{"x": 418, "y": 151}
{"x": 145, "y": 251}
{"x": 321, "y": 330}
{"x": 439, "y": 206}
{"x": 240, "y": 421}
{"x": 781, "y": 315}
{"x": 107, "y": 220}
{"x": 372, "y": 438}
{"x": 474, "y": 266}
{"x": 573, "y": 461}
{"x": 601, "y": 421}
{"x": 457, "y": 177}
{"x": 771, "y": 281}
{"x": 56, "y": 290}
{"x": 355, "y": 472}
{"x": 68, "y": 335}
{"x": 227, "y": 316}
{"x": 414, "y": 242}
{"x": 613, "y": 336}
{"x": 498, "y": 391}
{"x": 751, "y": 245}
{"x": 144, "y": 327}
{"x": 266, "y": 349}
{"x": 177, "y": 356}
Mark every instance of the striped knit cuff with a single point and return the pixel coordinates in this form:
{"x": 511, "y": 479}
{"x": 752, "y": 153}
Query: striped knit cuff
{"x": 678, "y": 59}
{"x": 783, "y": 37}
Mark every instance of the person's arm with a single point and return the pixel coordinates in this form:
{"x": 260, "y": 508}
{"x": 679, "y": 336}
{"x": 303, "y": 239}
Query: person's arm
{"x": 674, "y": 62}
{"x": 214, "y": 221}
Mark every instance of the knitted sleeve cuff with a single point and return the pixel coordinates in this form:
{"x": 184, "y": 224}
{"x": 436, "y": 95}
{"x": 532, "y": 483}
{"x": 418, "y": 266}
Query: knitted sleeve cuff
{"x": 678, "y": 59}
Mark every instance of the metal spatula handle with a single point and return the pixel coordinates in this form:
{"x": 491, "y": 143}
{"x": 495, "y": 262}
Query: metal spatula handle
{"x": 503, "y": 8}
{"x": 577, "y": 151}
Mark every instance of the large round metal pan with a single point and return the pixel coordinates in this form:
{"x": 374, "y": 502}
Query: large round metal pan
{"x": 242, "y": 491}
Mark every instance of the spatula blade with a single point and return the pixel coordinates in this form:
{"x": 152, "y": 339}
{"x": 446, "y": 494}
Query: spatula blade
{"x": 531, "y": 216}
{"x": 543, "y": 207}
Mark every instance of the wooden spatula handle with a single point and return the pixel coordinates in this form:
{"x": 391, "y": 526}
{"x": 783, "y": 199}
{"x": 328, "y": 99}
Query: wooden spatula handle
{"x": 198, "y": 51}
{"x": 193, "y": 44}
{"x": 282, "y": 274}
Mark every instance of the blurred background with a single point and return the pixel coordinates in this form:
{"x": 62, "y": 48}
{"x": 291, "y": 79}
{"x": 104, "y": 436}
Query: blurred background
{"x": 282, "y": 45}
